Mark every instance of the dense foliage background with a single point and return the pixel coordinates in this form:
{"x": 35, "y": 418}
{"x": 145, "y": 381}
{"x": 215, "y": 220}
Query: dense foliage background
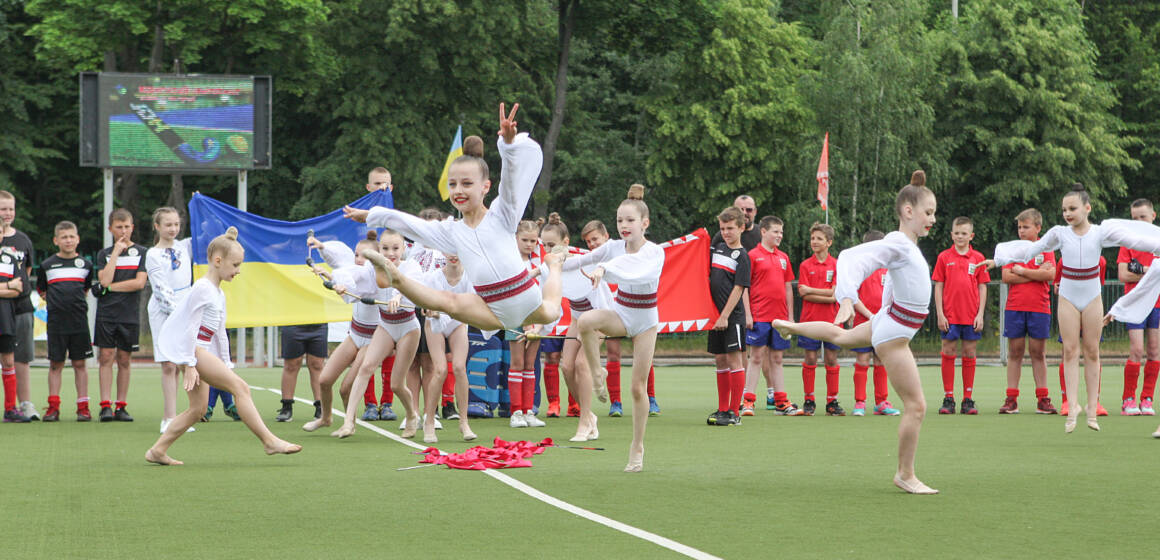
{"x": 701, "y": 100}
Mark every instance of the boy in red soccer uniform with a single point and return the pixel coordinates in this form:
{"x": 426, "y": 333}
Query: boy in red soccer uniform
{"x": 869, "y": 302}
{"x": 1131, "y": 266}
{"x": 1027, "y": 315}
{"x": 770, "y": 298}
{"x": 816, "y": 278}
{"x": 728, "y": 278}
{"x": 960, "y": 288}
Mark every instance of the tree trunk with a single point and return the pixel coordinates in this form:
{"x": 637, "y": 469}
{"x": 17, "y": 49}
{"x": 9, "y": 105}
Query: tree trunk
{"x": 565, "y": 24}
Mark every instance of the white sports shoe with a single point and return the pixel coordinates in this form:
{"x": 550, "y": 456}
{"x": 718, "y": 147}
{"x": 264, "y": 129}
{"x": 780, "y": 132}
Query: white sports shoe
{"x": 531, "y": 420}
{"x": 29, "y": 410}
{"x": 438, "y": 424}
{"x": 517, "y": 420}
{"x": 165, "y": 424}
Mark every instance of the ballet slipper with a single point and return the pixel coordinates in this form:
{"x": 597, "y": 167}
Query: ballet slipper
{"x": 283, "y": 447}
{"x": 1156, "y": 434}
{"x": 412, "y": 426}
{"x": 913, "y": 486}
{"x": 383, "y": 265}
{"x": 600, "y": 386}
{"x": 1093, "y": 424}
{"x": 429, "y": 434}
{"x": 635, "y": 462}
{"x": 315, "y": 424}
{"x": 782, "y": 326}
{"x": 345, "y": 431}
{"x": 468, "y": 435}
{"x": 160, "y": 458}
{"x": 1072, "y": 418}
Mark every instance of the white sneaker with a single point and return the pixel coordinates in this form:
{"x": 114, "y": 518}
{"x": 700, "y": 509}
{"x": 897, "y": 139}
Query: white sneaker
{"x": 165, "y": 424}
{"x": 533, "y": 422}
{"x": 438, "y": 424}
{"x": 29, "y": 410}
{"x": 517, "y": 420}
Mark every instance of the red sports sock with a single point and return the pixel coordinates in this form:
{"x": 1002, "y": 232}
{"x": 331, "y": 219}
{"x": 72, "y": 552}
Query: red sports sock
{"x": 723, "y": 388}
{"x": 1040, "y": 392}
{"x": 968, "y": 377}
{"x": 652, "y": 375}
{"x": 736, "y": 389}
{"x": 1012, "y": 392}
{"x": 832, "y": 379}
{"x": 515, "y": 386}
{"x": 121, "y": 404}
{"x": 529, "y": 399}
{"x": 809, "y": 373}
{"x": 106, "y": 404}
{"x": 1151, "y": 371}
{"x": 449, "y": 385}
{"x": 613, "y": 381}
{"x": 881, "y": 384}
{"x": 1131, "y": 376}
{"x": 9, "y": 375}
{"x": 388, "y": 394}
{"x": 54, "y": 401}
{"x": 779, "y": 397}
{"x": 552, "y": 382}
{"x": 860, "y": 372}
{"x": 572, "y": 401}
{"x": 1062, "y": 382}
{"x": 369, "y": 397}
{"x": 948, "y": 375}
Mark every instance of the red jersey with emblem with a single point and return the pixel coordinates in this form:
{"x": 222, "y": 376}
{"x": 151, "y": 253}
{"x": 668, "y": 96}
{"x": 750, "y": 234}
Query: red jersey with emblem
{"x": 961, "y": 276}
{"x": 1126, "y": 255}
{"x": 769, "y": 273}
{"x": 1031, "y": 296}
{"x": 870, "y": 294}
{"x": 822, "y": 275}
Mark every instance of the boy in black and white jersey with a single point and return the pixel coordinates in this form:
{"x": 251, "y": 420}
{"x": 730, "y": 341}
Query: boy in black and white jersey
{"x": 120, "y": 276}
{"x": 64, "y": 281}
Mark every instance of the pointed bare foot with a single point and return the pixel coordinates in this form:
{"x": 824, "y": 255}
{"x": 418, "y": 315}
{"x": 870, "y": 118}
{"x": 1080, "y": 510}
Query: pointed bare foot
{"x": 464, "y": 429}
{"x": 160, "y": 458}
{"x": 315, "y": 424}
{"x": 386, "y": 272}
{"x": 283, "y": 447}
{"x": 600, "y": 386}
{"x": 345, "y": 431}
{"x": 913, "y": 486}
{"x": 410, "y": 426}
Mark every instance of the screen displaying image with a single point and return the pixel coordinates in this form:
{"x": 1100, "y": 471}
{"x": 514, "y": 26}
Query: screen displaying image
{"x": 197, "y": 122}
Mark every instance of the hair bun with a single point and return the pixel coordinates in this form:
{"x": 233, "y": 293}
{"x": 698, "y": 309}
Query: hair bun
{"x": 232, "y": 233}
{"x": 636, "y": 192}
{"x": 918, "y": 178}
{"x": 1077, "y": 187}
{"x": 473, "y": 146}
{"x": 554, "y": 218}
{"x": 372, "y": 235}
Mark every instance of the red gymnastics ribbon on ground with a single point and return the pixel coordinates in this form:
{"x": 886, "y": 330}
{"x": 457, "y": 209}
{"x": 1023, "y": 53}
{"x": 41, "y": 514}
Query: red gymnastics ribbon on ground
{"x": 502, "y": 455}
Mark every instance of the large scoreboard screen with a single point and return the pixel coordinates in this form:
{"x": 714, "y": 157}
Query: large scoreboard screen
{"x": 170, "y": 122}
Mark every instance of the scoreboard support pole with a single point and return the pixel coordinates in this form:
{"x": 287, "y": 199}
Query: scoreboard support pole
{"x": 243, "y": 194}
{"x": 108, "y": 205}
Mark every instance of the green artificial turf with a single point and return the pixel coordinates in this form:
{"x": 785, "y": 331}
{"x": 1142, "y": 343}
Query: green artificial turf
{"x": 1013, "y": 486}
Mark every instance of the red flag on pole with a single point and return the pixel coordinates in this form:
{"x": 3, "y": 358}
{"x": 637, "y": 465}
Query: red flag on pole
{"x": 824, "y": 174}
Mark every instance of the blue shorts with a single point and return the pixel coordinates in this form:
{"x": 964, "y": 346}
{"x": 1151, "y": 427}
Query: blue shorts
{"x": 808, "y": 343}
{"x": 1151, "y": 322}
{"x": 1018, "y": 324}
{"x": 963, "y": 332}
{"x": 763, "y": 334}
{"x": 863, "y": 350}
{"x": 549, "y": 345}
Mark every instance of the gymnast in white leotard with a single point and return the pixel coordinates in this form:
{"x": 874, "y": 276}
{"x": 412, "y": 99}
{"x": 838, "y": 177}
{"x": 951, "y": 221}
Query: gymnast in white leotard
{"x": 905, "y": 304}
{"x": 446, "y": 335}
{"x": 1081, "y": 308}
{"x": 484, "y": 239}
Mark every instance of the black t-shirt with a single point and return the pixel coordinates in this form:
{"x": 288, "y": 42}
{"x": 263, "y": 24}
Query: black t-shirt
{"x": 119, "y": 307}
{"x": 728, "y": 268}
{"x": 16, "y": 249}
{"x": 66, "y": 283}
{"x": 750, "y": 238}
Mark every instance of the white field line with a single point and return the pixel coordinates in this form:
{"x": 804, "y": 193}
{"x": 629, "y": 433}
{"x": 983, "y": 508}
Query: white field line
{"x": 532, "y": 492}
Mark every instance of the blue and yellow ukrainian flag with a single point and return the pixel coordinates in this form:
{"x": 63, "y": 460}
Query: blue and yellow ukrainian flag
{"x": 456, "y": 151}
{"x": 275, "y": 286}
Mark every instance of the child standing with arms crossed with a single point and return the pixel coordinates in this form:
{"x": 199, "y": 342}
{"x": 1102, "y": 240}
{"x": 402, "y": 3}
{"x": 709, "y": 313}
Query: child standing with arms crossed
{"x": 771, "y": 298}
{"x": 728, "y": 278}
{"x": 64, "y": 280}
{"x": 120, "y": 275}
{"x": 195, "y": 336}
{"x": 816, "y": 280}
{"x": 1028, "y": 316}
{"x": 960, "y": 290}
